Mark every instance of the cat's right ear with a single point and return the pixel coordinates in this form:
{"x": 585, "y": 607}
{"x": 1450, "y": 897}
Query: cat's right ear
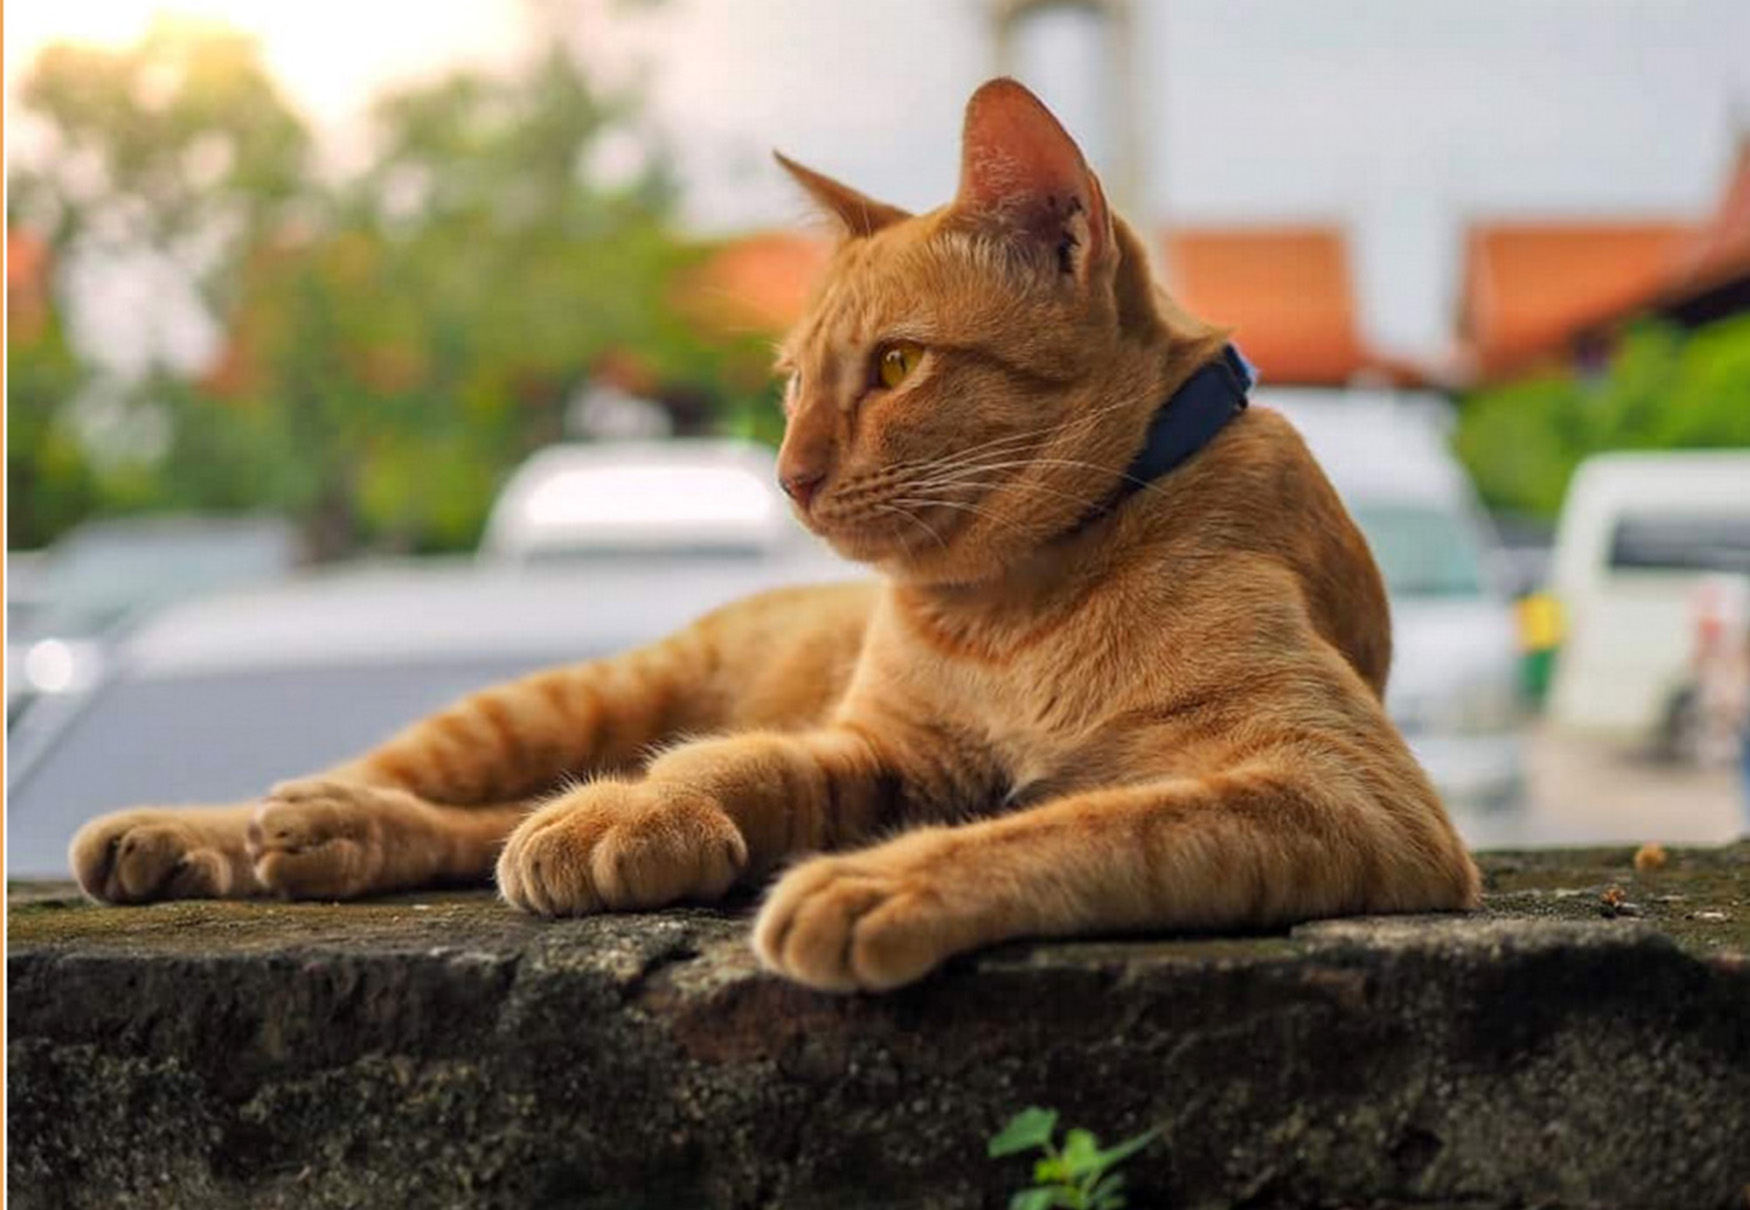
{"x": 1022, "y": 173}
{"x": 858, "y": 213}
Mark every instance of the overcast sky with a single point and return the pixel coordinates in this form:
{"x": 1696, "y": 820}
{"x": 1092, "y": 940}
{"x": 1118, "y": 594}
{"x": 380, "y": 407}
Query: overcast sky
{"x": 1399, "y": 118}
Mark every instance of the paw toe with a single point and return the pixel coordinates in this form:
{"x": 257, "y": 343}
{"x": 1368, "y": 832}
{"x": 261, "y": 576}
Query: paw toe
{"x": 333, "y": 870}
{"x": 667, "y": 855}
{"x": 604, "y": 849}
{"x": 556, "y": 872}
{"x": 141, "y": 857}
{"x": 544, "y": 866}
{"x": 312, "y": 847}
{"x": 293, "y": 826}
{"x": 898, "y": 942}
{"x": 834, "y": 927}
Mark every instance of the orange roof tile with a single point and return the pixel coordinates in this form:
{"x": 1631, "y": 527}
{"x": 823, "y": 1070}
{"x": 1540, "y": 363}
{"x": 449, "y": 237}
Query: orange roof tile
{"x": 1530, "y": 286}
{"x": 1285, "y": 291}
{"x": 27, "y": 259}
{"x": 757, "y": 283}
{"x": 27, "y": 282}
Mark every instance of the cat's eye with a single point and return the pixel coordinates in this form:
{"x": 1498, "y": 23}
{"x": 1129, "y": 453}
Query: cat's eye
{"x": 896, "y": 361}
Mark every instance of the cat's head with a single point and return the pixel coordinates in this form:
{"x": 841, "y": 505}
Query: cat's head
{"x": 969, "y": 383}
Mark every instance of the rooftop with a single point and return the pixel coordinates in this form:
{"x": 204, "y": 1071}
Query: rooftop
{"x": 758, "y": 282}
{"x": 1530, "y": 285}
{"x": 1286, "y": 292}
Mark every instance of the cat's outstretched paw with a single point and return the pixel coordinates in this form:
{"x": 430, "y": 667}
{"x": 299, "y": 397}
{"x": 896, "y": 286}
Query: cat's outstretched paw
{"x": 861, "y": 922}
{"x": 610, "y": 846}
{"x": 149, "y": 854}
{"x": 323, "y": 839}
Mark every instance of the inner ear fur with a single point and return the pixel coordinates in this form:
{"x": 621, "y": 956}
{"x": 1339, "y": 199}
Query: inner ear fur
{"x": 858, "y": 213}
{"x": 1021, "y": 171}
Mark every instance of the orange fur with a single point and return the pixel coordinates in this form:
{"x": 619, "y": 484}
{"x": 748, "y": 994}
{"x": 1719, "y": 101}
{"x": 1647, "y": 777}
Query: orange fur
{"x": 1169, "y": 717}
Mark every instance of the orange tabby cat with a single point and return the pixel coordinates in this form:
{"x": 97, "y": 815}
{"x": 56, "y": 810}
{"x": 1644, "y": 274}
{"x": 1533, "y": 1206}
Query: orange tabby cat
{"x": 1067, "y": 708}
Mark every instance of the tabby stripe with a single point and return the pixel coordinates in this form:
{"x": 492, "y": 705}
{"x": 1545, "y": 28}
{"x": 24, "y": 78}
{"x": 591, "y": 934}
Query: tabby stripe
{"x": 514, "y": 754}
{"x": 458, "y": 751}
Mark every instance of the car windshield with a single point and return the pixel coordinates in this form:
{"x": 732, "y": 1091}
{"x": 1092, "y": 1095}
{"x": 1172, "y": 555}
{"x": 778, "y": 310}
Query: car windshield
{"x": 102, "y": 579}
{"x": 215, "y": 738}
{"x": 1423, "y": 550}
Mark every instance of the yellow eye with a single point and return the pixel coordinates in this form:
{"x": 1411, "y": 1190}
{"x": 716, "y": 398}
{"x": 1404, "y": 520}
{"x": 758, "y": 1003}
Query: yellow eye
{"x": 896, "y": 361}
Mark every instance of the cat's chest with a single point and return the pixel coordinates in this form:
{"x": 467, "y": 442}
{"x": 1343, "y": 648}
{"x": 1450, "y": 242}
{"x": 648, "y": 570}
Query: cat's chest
{"x": 1044, "y": 700}
{"x": 1040, "y": 716}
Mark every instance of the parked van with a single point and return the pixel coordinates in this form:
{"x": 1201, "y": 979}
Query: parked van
{"x": 1639, "y": 533}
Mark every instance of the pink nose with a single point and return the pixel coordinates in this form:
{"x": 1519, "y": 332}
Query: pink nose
{"x": 800, "y": 486}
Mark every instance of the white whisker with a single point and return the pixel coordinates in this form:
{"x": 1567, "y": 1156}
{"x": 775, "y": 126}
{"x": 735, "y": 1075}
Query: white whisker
{"x": 893, "y": 508}
{"x": 970, "y": 508}
{"x": 924, "y": 491}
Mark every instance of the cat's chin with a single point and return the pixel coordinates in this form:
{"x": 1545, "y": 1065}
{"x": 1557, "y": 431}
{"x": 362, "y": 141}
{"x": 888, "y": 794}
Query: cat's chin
{"x": 898, "y": 545}
{"x": 865, "y": 546}
{"x": 878, "y": 545}
{"x": 907, "y": 562}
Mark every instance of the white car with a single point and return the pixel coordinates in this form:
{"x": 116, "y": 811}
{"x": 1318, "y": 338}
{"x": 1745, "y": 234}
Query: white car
{"x": 1639, "y": 534}
{"x": 214, "y": 700}
{"x": 695, "y": 496}
{"x": 1454, "y": 686}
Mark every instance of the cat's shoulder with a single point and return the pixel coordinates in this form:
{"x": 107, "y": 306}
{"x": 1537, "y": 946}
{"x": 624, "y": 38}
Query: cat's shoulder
{"x": 1264, "y": 425}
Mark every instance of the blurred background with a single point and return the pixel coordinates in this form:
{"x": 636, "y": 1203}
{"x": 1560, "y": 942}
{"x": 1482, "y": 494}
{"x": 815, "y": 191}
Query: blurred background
{"x": 358, "y": 354}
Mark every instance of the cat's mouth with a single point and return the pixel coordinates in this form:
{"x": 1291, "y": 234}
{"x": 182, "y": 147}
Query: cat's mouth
{"x": 868, "y": 529}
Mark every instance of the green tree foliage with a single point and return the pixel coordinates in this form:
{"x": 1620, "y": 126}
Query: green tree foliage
{"x": 179, "y": 145}
{"x": 1663, "y": 389}
{"x": 399, "y": 339}
{"x": 50, "y": 483}
{"x": 181, "y": 142}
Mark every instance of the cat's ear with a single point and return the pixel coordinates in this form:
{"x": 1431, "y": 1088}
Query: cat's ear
{"x": 1020, "y": 170}
{"x": 858, "y": 213}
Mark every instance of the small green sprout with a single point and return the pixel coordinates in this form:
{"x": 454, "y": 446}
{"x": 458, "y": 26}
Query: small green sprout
{"x": 1078, "y": 1176}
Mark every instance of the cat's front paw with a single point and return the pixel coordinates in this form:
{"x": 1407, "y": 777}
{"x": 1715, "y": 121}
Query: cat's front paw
{"x": 161, "y": 853}
{"x": 319, "y": 838}
{"x": 861, "y": 922}
{"x": 613, "y": 846}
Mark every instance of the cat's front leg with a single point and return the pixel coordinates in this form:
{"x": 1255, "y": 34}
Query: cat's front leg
{"x": 316, "y": 838}
{"x": 337, "y": 838}
{"x": 1278, "y": 841}
{"x": 707, "y": 815}
{"x": 617, "y": 845}
{"x": 152, "y": 853}
{"x": 876, "y": 919}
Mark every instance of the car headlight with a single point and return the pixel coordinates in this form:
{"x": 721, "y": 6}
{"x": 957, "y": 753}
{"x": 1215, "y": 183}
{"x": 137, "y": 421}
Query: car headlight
{"x": 59, "y": 666}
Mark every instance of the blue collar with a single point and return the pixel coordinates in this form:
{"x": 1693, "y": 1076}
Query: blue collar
{"x": 1186, "y": 422}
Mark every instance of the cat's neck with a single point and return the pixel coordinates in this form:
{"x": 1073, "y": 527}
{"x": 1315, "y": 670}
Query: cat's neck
{"x": 1068, "y": 563}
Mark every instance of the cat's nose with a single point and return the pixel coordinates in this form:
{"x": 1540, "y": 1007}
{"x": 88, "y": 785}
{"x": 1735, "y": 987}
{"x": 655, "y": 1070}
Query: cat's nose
{"x": 800, "y": 485}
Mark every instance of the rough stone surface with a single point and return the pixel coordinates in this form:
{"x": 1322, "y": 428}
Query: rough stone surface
{"x": 443, "y": 1050}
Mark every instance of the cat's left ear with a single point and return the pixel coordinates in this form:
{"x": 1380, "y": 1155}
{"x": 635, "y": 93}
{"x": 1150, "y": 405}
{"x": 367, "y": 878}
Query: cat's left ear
{"x": 1020, "y": 170}
{"x": 859, "y": 213}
